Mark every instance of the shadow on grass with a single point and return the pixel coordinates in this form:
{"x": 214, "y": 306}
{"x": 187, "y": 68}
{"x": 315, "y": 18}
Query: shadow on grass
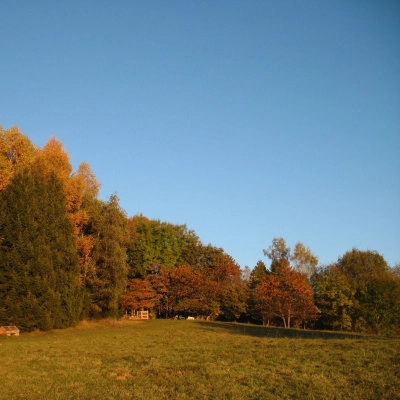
{"x": 274, "y": 332}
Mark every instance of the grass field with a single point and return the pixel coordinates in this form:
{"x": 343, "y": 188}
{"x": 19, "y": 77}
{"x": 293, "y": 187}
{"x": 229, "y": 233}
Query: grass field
{"x": 196, "y": 360}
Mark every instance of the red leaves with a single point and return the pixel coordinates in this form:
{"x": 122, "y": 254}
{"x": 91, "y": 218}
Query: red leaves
{"x": 139, "y": 295}
{"x": 286, "y": 294}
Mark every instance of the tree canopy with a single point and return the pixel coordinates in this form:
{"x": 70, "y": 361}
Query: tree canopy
{"x": 66, "y": 254}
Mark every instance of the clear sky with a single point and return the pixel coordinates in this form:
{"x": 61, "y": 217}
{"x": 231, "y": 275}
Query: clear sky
{"x": 244, "y": 120}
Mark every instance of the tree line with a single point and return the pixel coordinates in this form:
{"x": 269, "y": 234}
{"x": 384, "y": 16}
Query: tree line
{"x": 66, "y": 255}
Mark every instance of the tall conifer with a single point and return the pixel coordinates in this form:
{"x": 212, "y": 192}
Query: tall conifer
{"x": 38, "y": 258}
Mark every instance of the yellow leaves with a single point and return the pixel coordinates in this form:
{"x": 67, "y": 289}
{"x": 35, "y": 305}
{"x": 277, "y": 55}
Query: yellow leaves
{"x": 91, "y": 185}
{"x": 85, "y": 245}
{"x": 16, "y": 152}
{"x": 74, "y": 188}
{"x": 54, "y": 159}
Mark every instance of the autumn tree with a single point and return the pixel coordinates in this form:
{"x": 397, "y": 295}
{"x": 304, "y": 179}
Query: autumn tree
{"x": 287, "y": 295}
{"x": 54, "y": 159}
{"x": 82, "y": 188}
{"x": 158, "y": 277}
{"x": 303, "y": 260}
{"x": 185, "y": 286}
{"x": 188, "y": 276}
{"x": 220, "y": 272}
{"x": 16, "y": 153}
{"x": 139, "y": 295}
{"x": 277, "y": 250}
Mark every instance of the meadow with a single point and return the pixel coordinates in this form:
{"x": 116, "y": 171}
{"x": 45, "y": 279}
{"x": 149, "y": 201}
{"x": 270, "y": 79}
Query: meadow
{"x": 168, "y": 359}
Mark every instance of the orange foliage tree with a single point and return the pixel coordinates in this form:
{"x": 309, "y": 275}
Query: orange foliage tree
{"x": 192, "y": 291}
{"x": 139, "y": 295}
{"x": 16, "y": 153}
{"x": 286, "y": 294}
{"x": 54, "y": 159}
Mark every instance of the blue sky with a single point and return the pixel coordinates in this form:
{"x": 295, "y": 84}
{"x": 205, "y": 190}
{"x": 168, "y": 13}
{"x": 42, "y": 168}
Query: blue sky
{"x": 244, "y": 120}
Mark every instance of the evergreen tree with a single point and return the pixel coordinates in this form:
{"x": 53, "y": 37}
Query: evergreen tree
{"x": 38, "y": 258}
{"x": 257, "y": 274}
{"x": 106, "y": 283}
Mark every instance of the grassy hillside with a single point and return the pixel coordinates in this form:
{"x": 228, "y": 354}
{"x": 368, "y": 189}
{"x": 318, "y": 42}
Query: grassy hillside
{"x": 196, "y": 360}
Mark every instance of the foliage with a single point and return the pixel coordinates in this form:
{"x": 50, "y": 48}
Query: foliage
{"x": 157, "y": 243}
{"x": 303, "y": 260}
{"x": 139, "y": 295}
{"x": 333, "y": 294}
{"x": 257, "y": 274}
{"x": 376, "y": 301}
{"x": 360, "y": 292}
{"x": 61, "y": 246}
{"x": 16, "y": 153}
{"x": 278, "y": 249}
{"x": 234, "y": 300}
{"x": 38, "y": 260}
{"x": 285, "y": 294}
{"x": 106, "y": 281}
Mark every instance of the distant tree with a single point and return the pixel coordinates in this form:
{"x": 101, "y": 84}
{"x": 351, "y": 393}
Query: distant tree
{"x": 257, "y": 274}
{"x": 155, "y": 242}
{"x": 360, "y": 293}
{"x": 256, "y": 277}
{"x": 303, "y": 260}
{"x": 90, "y": 185}
{"x": 54, "y": 159}
{"x": 38, "y": 259}
{"x": 286, "y": 294}
{"x": 277, "y": 250}
{"x": 185, "y": 287}
{"x": 334, "y": 296}
{"x": 108, "y": 272}
{"x": 376, "y": 301}
{"x": 246, "y": 273}
{"x": 139, "y": 295}
{"x": 234, "y": 301}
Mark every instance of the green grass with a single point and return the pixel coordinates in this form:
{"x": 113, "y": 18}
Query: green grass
{"x": 196, "y": 360}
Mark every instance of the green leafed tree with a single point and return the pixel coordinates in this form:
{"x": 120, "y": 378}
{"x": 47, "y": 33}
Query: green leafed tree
{"x": 360, "y": 292}
{"x": 334, "y": 296}
{"x": 376, "y": 301}
{"x": 257, "y": 274}
{"x": 106, "y": 282}
{"x": 39, "y": 266}
{"x": 234, "y": 301}
{"x": 153, "y": 242}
